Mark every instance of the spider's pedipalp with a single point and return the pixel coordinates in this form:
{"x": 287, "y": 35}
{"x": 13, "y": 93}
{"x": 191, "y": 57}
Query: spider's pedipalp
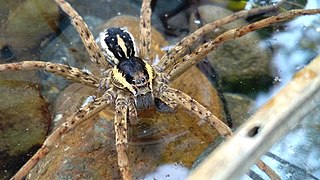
{"x": 133, "y": 114}
{"x": 65, "y": 71}
{"x": 163, "y": 107}
{"x": 87, "y": 38}
{"x": 121, "y": 129}
{"x": 80, "y": 116}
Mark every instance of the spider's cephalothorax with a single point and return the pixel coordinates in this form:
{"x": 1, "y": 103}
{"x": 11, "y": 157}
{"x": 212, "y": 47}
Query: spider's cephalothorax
{"x": 129, "y": 71}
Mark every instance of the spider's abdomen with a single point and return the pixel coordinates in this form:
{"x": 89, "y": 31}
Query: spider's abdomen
{"x": 118, "y": 44}
{"x": 129, "y": 72}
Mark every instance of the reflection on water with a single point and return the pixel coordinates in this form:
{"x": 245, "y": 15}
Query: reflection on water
{"x": 168, "y": 172}
{"x": 294, "y": 47}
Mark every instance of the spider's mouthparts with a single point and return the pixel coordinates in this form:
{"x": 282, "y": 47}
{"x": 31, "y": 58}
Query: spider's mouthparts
{"x": 144, "y": 101}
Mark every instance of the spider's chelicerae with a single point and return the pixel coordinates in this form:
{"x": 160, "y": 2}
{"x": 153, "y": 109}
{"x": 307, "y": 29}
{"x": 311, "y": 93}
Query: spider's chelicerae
{"x": 130, "y": 83}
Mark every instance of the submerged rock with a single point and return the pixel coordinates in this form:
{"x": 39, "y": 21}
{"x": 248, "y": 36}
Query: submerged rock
{"x": 88, "y": 151}
{"x": 240, "y": 107}
{"x": 24, "y": 120}
{"x": 25, "y": 24}
{"x": 24, "y": 114}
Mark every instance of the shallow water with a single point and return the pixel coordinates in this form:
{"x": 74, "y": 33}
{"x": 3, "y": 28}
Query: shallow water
{"x": 296, "y": 47}
{"x": 95, "y": 13}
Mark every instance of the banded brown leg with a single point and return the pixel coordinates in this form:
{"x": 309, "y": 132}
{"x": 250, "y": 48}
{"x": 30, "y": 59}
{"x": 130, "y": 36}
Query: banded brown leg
{"x": 65, "y": 71}
{"x": 121, "y": 130}
{"x": 80, "y": 116}
{"x": 173, "y": 95}
{"x": 180, "y": 49}
{"x": 87, "y": 38}
{"x": 192, "y": 58}
{"x": 145, "y": 30}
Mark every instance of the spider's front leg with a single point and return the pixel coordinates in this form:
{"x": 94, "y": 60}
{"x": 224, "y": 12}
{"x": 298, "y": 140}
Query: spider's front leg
{"x": 85, "y": 34}
{"x": 123, "y": 110}
{"x": 80, "y": 116}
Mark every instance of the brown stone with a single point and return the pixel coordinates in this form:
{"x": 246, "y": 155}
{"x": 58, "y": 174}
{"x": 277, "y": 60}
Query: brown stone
{"x": 25, "y": 24}
{"x": 88, "y": 151}
{"x": 24, "y": 120}
{"x": 239, "y": 106}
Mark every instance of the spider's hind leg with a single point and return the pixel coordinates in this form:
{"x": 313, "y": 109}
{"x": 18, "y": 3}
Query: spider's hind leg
{"x": 192, "y": 58}
{"x": 145, "y": 30}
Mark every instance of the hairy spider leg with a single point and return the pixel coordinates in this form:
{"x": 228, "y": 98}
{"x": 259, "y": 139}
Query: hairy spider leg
{"x": 121, "y": 130}
{"x": 80, "y": 116}
{"x": 181, "y": 49}
{"x": 87, "y": 38}
{"x": 192, "y": 58}
{"x": 145, "y": 31}
{"x": 68, "y": 72}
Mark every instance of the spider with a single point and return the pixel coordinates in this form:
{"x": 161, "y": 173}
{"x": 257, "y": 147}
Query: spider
{"x": 130, "y": 83}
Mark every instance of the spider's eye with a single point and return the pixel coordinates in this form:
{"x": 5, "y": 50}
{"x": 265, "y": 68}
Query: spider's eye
{"x": 118, "y": 44}
{"x": 139, "y": 78}
{"x": 143, "y": 79}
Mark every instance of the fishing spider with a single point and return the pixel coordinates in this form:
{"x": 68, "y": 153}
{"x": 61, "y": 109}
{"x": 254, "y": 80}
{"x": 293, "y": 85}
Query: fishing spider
{"x": 129, "y": 81}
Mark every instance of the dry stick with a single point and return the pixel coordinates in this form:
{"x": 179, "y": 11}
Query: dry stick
{"x": 191, "y": 59}
{"x": 80, "y": 116}
{"x": 87, "y": 38}
{"x": 267, "y": 169}
{"x": 65, "y": 71}
{"x": 145, "y": 30}
{"x": 232, "y": 34}
{"x": 182, "y": 47}
{"x": 275, "y": 119}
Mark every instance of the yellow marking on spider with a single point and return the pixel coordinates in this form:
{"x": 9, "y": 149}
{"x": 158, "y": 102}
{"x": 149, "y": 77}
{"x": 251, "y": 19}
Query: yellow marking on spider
{"x": 118, "y": 76}
{"x": 122, "y": 44}
{"x": 151, "y": 73}
{"x": 150, "y": 70}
